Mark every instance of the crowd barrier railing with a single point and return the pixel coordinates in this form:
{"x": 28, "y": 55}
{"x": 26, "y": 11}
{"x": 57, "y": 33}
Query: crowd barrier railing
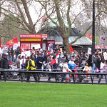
{"x": 75, "y": 77}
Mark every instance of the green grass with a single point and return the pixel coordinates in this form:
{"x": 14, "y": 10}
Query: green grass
{"x": 52, "y": 95}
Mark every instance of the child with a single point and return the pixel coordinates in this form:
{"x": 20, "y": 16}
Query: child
{"x": 87, "y": 69}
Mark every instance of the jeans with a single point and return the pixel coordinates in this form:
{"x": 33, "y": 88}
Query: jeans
{"x": 93, "y": 68}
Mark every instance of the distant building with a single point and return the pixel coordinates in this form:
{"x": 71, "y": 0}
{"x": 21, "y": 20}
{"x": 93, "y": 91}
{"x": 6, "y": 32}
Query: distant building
{"x": 54, "y": 35}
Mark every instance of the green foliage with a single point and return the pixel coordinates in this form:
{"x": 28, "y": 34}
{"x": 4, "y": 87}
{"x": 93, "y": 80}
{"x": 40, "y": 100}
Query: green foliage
{"x": 52, "y": 95}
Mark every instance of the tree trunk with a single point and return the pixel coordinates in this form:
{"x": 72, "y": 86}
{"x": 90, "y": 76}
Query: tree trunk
{"x": 31, "y": 25}
{"x": 66, "y": 44}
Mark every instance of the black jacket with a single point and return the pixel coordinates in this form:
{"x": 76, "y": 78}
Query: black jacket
{"x": 4, "y": 63}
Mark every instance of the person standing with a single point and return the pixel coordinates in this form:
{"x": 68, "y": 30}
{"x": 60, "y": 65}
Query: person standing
{"x": 17, "y": 51}
{"x": 65, "y": 69}
{"x": 103, "y": 70}
{"x": 4, "y": 65}
{"x": 22, "y": 62}
{"x": 39, "y": 61}
{"x": 31, "y": 66}
{"x": 54, "y": 69}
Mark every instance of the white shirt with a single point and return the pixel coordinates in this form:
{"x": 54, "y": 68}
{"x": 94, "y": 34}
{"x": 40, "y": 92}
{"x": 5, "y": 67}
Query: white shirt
{"x": 65, "y": 67}
{"x": 22, "y": 61}
{"x": 105, "y": 55}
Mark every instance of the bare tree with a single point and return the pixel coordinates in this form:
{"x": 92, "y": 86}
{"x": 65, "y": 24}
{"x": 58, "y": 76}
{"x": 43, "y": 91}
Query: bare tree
{"x": 101, "y": 13}
{"x": 20, "y": 8}
{"x": 60, "y": 10}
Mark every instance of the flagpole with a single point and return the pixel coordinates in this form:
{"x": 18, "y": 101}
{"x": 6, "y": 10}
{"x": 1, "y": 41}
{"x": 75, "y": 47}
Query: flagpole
{"x": 93, "y": 28}
{"x": 93, "y": 36}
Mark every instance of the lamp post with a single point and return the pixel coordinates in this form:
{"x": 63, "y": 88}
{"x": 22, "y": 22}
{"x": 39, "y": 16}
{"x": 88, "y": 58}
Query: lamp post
{"x": 93, "y": 28}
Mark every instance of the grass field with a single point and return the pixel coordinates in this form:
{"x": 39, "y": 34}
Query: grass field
{"x": 52, "y": 95}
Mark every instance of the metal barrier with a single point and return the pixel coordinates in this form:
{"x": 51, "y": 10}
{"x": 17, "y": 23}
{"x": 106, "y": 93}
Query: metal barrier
{"x": 43, "y": 76}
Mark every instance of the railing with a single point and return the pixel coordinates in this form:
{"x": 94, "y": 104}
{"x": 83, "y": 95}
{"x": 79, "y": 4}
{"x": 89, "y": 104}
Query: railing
{"x": 58, "y": 76}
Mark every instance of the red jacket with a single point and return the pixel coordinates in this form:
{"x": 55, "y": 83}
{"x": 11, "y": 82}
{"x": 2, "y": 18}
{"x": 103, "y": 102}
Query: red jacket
{"x": 53, "y": 61}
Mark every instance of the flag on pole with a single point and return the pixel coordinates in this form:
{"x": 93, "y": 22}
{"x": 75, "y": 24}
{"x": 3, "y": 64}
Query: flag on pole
{"x": 15, "y": 40}
{"x": 12, "y": 42}
{"x": 71, "y": 49}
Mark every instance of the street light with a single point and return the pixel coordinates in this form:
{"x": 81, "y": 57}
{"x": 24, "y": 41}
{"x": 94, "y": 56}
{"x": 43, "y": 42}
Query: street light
{"x": 93, "y": 28}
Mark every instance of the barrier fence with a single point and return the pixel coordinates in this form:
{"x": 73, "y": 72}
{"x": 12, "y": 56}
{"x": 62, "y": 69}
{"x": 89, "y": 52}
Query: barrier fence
{"x": 57, "y": 76}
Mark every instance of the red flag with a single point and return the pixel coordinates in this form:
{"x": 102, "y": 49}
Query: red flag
{"x": 71, "y": 49}
{"x": 12, "y": 42}
{"x": 9, "y": 43}
{"x": 15, "y": 40}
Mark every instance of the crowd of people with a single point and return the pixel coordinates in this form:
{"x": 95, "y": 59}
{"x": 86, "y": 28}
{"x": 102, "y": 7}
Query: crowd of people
{"x": 53, "y": 59}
